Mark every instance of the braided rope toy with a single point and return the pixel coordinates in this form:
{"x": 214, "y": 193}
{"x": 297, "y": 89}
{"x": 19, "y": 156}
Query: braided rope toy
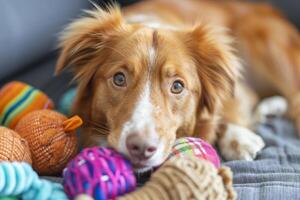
{"x": 192, "y": 178}
{"x": 19, "y": 179}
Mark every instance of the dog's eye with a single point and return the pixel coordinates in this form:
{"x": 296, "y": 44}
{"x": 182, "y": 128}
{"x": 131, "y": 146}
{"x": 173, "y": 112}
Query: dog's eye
{"x": 177, "y": 87}
{"x": 119, "y": 79}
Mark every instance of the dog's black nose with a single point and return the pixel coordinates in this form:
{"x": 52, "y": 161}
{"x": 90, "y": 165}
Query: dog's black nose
{"x": 139, "y": 148}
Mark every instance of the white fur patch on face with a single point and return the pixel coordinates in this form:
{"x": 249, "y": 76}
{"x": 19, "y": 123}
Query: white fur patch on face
{"x": 142, "y": 115}
{"x": 240, "y": 143}
{"x": 142, "y": 122}
{"x": 152, "y": 56}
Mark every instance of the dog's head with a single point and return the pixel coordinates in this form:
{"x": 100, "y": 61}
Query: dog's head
{"x": 146, "y": 85}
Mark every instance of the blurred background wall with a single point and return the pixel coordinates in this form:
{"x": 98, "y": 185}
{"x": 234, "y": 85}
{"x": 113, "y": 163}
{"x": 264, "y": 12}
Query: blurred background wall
{"x": 29, "y": 31}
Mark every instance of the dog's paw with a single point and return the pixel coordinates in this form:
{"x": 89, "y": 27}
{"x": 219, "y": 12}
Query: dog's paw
{"x": 273, "y": 106}
{"x": 239, "y": 143}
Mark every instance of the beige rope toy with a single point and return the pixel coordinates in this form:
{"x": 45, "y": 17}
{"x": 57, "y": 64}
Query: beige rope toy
{"x": 187, "y": 179}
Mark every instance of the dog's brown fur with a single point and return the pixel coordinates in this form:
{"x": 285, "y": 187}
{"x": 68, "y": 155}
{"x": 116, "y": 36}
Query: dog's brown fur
{"x": 199, "y": 52}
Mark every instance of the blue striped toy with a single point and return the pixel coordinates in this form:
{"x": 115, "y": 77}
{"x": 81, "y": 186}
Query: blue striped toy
{"x": 19, "y": 180}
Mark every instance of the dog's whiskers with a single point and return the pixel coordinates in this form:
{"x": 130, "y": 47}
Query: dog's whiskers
{"x": 97, "y": 124}
{"x": 100, "y": 131}
{"x": 98, "y": 127}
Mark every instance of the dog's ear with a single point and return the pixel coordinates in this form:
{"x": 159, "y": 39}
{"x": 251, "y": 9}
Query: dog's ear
{"x": 86, "y": 37}
{"x": 85, "y": 46}
{"x": 217, "y": 65}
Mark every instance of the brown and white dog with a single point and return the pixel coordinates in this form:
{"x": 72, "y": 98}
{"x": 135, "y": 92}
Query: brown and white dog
{"x": 163, "y": 69}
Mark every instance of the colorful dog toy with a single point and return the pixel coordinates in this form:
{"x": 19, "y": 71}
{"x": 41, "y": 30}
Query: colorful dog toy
{"x": 99, "y": 172}
{"x": 13, "y": 147}
{"x": 181, "y": 179}
{"x": 18, "y": 99}
{"x": 18, "y": 179}
{"x": 51, "y": 138}
{"x": 195, "y": 147}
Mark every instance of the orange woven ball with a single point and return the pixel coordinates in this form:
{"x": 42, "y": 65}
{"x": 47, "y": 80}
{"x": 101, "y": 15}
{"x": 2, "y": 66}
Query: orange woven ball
{"x": 13, "y": 147}
{"x": 51, "y": 138}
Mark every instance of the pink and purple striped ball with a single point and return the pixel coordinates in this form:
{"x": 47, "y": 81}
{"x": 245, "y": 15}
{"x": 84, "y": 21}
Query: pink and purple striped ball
{"x": 99, "y": 172}
{"x": 195, "y": 147}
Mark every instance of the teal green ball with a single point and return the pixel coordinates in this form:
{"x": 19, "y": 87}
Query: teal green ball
{"x": 66, "y": 102}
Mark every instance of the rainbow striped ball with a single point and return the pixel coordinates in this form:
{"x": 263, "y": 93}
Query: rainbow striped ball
{"x": 195, "y": 147}
{"x": 18, "y": 99}
{"x": 99, "y": 172}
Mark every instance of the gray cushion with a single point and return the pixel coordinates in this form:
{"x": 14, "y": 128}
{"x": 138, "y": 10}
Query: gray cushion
{"x": 29, "y": 29}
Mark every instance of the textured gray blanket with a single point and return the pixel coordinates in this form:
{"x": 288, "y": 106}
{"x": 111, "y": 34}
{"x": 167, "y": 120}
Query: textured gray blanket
{"x": 275, "y": 174}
